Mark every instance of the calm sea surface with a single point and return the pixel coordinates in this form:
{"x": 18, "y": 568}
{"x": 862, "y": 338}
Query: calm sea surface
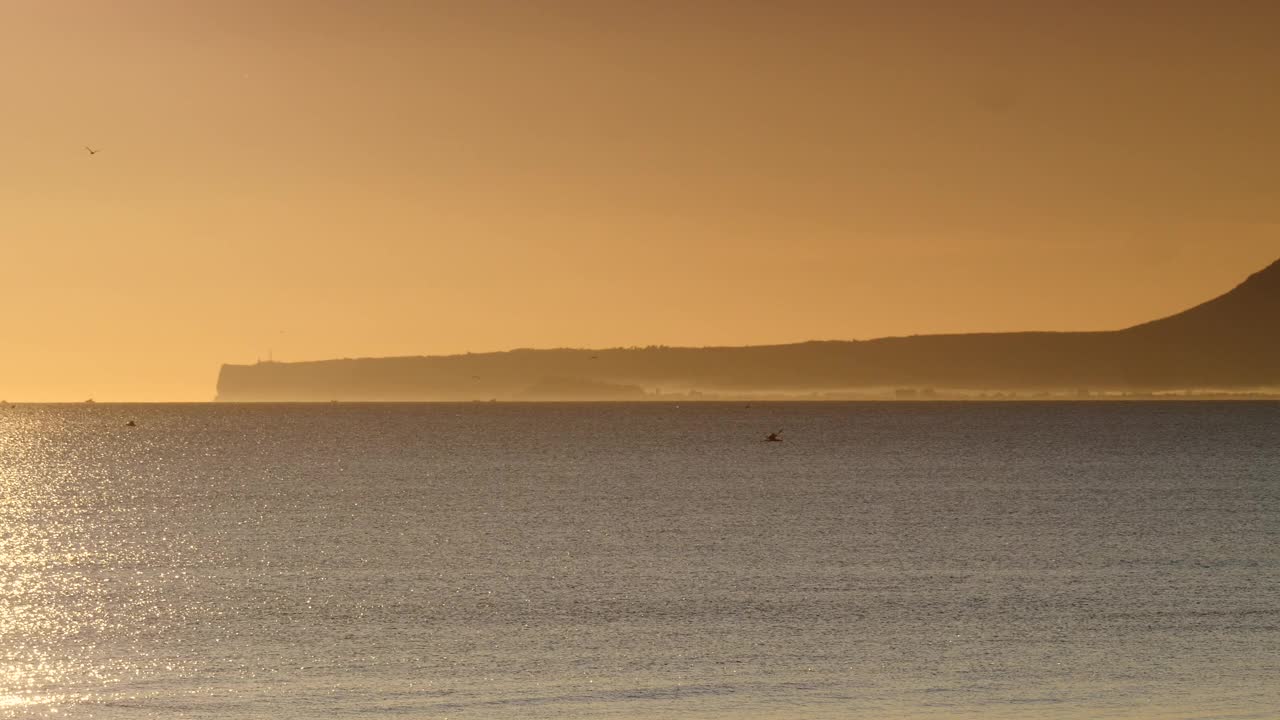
{"x": 640, "y": 561}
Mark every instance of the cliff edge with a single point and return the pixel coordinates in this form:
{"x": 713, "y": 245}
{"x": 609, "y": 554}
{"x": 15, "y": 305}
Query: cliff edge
{"x": 1228, "y": 342}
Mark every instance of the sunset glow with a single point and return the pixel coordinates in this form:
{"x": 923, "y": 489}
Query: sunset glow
{"x": 310, "y": 180}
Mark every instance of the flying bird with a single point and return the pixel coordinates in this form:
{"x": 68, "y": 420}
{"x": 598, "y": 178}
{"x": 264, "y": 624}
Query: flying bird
{"x": 91, "y": 150}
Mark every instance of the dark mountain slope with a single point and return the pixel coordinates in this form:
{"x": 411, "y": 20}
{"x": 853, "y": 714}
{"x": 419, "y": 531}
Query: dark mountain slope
{"x": 1230, "y": 341}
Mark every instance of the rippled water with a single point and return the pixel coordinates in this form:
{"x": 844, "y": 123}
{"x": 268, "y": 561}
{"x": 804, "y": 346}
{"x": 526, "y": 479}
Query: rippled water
{"x": 640, "y": 561}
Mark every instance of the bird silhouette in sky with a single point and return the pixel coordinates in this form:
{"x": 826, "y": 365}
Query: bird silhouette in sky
{"x": 91, "y": 150}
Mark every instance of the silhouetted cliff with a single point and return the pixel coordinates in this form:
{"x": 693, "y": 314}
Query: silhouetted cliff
{"x": 1228, "y": 342}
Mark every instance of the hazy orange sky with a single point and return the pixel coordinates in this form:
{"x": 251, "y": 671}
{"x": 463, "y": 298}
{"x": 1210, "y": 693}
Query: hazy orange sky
{"x": 326, "y": 179}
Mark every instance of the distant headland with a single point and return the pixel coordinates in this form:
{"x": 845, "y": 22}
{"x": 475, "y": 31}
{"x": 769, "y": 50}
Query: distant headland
{"x": 1229, "y": 345}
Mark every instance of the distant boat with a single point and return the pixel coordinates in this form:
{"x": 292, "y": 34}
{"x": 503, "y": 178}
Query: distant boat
{"x": 89, "y": 401}
{"x": 131, "y": 424}
{"x": 773, "y": 437}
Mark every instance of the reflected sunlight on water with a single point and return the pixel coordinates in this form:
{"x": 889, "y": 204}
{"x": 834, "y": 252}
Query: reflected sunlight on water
{"x": 633, "y": 561}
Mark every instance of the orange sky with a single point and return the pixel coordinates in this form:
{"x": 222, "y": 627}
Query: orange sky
{"x": 327, "y": 179}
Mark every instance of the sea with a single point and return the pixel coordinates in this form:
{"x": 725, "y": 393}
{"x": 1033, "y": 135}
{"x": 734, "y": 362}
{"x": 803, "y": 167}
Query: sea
{"x": 641, "y": 561}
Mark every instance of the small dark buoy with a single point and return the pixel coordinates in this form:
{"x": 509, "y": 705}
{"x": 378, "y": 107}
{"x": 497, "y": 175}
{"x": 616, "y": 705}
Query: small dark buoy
{"x": 131, "y": 424}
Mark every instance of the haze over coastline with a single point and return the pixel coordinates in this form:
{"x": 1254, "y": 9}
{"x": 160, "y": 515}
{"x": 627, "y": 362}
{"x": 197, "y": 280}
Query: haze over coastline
{"x": 312, "y": 180}
{"x": 1229, "y": 342}
{"x": 506, "y": 360}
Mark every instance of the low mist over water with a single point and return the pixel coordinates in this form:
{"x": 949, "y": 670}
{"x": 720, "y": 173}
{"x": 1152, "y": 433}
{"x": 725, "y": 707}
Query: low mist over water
{"x": 653, "y": 560}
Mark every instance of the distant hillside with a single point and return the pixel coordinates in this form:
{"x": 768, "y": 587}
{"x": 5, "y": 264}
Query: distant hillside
{"x": 1229, "y": 342}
